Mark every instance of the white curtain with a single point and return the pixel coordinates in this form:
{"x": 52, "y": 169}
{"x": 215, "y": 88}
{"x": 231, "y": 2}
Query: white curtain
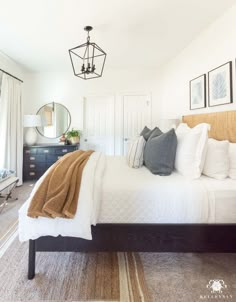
{"x": 11, "y": 125}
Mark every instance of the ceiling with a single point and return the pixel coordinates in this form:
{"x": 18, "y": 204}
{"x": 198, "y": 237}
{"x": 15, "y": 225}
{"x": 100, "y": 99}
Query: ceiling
{"x": 135, "y": 34}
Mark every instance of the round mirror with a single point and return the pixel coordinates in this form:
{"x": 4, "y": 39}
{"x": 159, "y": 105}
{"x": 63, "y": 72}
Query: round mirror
{"x": 55, "y": 119}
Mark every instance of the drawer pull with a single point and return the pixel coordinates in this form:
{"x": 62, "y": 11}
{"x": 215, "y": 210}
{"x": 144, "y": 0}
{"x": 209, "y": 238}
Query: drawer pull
{"x": 32, "y": 166}
{"x": 45, "y": 151}
{"x": 32, "y": 158}
{"x": 64, "y": 150}
{"x": 32, "y": 173}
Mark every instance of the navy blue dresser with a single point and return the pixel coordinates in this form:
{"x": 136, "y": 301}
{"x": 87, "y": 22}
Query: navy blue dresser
{"x": 37, "y": 159}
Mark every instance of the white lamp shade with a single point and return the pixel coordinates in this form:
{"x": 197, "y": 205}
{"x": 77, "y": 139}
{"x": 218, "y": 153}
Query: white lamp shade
{"x": 168, "y": 123}
{"x": 32, "y": 120}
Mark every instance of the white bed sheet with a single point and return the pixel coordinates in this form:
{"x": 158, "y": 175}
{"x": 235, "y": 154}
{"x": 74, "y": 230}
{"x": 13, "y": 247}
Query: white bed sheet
{"x": 222, "y": 196}
{"x": 137, "y": 196}
{"x": 121, "y": 194}
{"x": 87, "y": 210}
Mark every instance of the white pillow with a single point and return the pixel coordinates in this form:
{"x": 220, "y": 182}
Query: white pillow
{"x": 135, "y": 153}
{"x": 232, "y": 161}
{"x": 191, "y": 149}
{"x": 217, "y": 159}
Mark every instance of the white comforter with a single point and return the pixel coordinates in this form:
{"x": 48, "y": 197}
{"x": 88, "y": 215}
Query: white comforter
{"x": 87, "y": 211}
{"x": 137, "y": 196}
{"x": 111, "y": 192}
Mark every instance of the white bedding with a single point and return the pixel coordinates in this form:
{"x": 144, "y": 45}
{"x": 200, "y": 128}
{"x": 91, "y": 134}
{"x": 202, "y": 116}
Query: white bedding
{"x": 137, "y": 196}
{"x": 87, "y": 210}
{"x": 120, "y": 194}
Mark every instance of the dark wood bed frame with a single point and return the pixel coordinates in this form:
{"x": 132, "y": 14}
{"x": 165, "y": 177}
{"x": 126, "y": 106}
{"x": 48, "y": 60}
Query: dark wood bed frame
{"x": 141, "y": 238}
{"x": 153, "y": 237}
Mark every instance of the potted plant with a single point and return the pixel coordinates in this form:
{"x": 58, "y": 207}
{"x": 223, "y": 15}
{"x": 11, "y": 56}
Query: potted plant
{"x": 73, "y": 136}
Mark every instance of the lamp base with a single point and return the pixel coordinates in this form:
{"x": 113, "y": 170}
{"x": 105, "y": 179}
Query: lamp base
{"x": 31, "y": 136}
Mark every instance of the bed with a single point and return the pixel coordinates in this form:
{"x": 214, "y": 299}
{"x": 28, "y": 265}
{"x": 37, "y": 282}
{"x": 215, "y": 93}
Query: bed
{"x": 138, "y": 212}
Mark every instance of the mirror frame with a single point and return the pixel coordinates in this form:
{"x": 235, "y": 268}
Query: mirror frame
{"x": 65, "y": 130}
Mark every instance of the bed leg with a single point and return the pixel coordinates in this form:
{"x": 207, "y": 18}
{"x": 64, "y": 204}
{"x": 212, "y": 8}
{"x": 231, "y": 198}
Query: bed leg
{"x": 31, "y": 264}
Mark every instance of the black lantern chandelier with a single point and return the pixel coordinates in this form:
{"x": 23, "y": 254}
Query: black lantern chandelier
{"x": 87, "y": 59}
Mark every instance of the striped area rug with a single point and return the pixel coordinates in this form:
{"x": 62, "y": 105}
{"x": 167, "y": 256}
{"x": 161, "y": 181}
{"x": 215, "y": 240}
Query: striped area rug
{"x": 116, "y": 277}
{"x": 7, "y": 238}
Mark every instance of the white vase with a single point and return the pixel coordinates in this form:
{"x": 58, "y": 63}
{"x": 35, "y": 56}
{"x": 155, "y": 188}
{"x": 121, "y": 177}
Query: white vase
{"x": 31, "y": 136}
{"x": 74, "y": 140}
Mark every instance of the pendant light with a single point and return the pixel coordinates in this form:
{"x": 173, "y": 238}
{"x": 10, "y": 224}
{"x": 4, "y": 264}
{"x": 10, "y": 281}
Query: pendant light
{"x": 87, "y": 59}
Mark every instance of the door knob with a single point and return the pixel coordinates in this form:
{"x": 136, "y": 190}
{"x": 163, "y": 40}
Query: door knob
{"x": 125, "y": 139}
{"x": 85, "y": 140}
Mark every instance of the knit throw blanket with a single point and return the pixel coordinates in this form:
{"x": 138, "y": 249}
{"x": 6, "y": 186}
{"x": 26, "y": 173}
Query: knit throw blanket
{"x": 57, "y": 196}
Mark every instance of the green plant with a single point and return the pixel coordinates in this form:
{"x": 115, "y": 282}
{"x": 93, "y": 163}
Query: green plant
{"x": 73, "y": 133}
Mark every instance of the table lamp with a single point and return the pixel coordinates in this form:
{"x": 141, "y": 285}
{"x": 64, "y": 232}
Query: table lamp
{"x": 168, "y": 123}
{"x": 31, "y": 121}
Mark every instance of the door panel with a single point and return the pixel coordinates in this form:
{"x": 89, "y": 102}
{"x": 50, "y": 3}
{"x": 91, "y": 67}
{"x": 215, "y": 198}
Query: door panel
{"x": 99, "y": 124}
{"x": 137, "y": 114}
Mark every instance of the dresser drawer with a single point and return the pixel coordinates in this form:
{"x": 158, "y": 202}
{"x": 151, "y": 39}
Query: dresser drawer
{"x": 48, "y": 165}
{"x": 52, "y": 158}
{"x": 32, "y": 175}
{"x": 34, "y": 166}
{"x": 30, "y": 151}
{"x": 35, "y": 157}
{"x": 65, "y": 149}
{"x": 45, "y": 151}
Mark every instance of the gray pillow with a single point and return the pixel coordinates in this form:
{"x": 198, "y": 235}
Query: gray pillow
{"x": 156, "y": 131}
{"x": 159, "y": 153}
{"x": 153, "y": 133}
{"x": 145, "y": 130}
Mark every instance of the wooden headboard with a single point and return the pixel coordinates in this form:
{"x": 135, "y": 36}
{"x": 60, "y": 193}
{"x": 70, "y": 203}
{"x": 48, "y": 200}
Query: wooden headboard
{"x": 223, "y": 124}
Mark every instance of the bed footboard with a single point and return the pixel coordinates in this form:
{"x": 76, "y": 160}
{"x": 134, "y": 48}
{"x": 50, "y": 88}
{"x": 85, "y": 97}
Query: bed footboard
{"x": 185, "y": 238}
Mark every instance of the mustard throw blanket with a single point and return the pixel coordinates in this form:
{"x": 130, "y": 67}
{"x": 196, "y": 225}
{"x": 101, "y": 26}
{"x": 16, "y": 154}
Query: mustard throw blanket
{"x": 57, "y": 195}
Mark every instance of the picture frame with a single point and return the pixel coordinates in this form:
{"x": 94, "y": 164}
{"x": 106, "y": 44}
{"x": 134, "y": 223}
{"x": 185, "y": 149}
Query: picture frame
{"x": 197, "y": 90}
{"x": 220, "y": 85}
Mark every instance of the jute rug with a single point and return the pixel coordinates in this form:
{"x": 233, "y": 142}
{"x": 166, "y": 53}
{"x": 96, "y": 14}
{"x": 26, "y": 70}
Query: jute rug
{"x": 72, "y": 276}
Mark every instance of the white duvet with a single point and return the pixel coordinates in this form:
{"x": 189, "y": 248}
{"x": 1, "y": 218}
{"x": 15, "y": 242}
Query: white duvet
{"x": 87, "y": 210}
{"x": 112, "y": 192}
{"x": 138, "y": 196}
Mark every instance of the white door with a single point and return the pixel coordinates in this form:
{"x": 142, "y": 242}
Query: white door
{"x": 98, "y": 133}
{"x": 137, "y": 114}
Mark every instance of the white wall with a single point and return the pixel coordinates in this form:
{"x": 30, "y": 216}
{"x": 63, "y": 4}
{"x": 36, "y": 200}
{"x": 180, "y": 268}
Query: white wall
{"x": 214, "y": 46}
{"x": 12, "y": 67}
{"x": 65, "y": 88}
{"x": 169, "y": 85}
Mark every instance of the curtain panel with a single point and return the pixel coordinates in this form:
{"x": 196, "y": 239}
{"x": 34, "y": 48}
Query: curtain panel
{"x": 11, "y": 125}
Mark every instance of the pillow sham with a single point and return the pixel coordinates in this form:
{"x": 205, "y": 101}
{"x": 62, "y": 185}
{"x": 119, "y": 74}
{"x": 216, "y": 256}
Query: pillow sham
{"x": 191, "y": 149}
{"x": 159, "y": 153}
{"x": 135, "y": 153}
{"x": 145, "y": 130}
{"x": 217, "y": 159}
{"x": 232, "y": 161}
{"x": 156, "y": 131}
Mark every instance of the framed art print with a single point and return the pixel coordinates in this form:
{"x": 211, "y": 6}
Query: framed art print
{"x": 220, "y": 89}
{"x": 197, "y": 88}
